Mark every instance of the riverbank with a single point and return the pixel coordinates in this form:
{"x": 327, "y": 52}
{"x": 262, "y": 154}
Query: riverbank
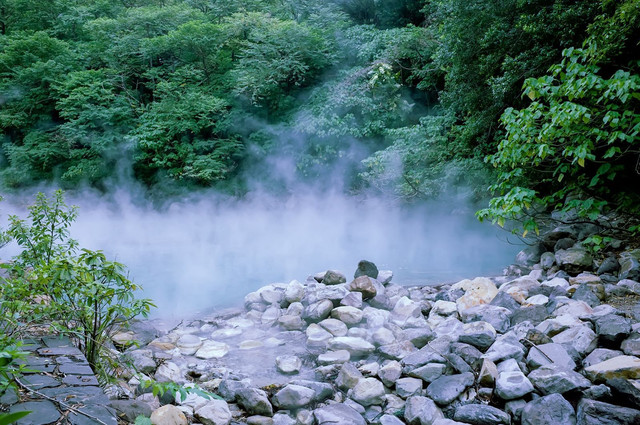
{"x": 555, "y": 340}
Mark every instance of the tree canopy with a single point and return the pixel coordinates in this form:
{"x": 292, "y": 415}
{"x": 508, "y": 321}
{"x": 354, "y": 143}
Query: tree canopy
{"x": 536, "y": 98}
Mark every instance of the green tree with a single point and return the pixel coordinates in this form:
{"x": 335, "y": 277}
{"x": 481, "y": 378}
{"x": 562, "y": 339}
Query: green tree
{"x": 575, "y": 146}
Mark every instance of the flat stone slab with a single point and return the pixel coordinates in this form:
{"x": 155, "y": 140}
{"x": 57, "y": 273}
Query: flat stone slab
{"x": 75, "y": 369}
{"x": 36, "y": 382}
{"x": 80, "y": 380}
{"x": 105, "y": 414}
{"x": 59, "y": 351}
{"x": 77, "y": 395}
{"x": 42, "y": 412}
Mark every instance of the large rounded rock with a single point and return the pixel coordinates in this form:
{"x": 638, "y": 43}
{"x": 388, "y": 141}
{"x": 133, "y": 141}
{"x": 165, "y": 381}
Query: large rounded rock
{"x": 447, "y": 388}
{"x": 368, "y": 391}
{"x": 574, "y": 260}
{"x": 476, "y": 292}
{"x": 337, "y": 413}
{"x": 612, "y": 330}
{"x": 549, "y": 410}
{"x": 254, "y": 401}
{"x": 479, "y": 334}
{"x": 350, "y": 316}
{"x": 293, "y": 397}
{"x": 366, "y": 268}
{"x": 294, "y": 292}
{"x": 215, "y": 412}
{"x": 421, "y": 411}
{"x": 168, "y": 415}
{"x": 318, "y": 311}
{"x": 480, "y": 414}
{"x": 332, "y": 277}
{"x": 365, "y": 285}
{"x": 617, "y": 367}
{"x": 357, "y": 347}
{"x": 212, "y": 350}
{"x": 555, "y": 379}
{"x": 288, "y": 364}
{"x": 512, "y": 385}
{"x": 592, "y": 412}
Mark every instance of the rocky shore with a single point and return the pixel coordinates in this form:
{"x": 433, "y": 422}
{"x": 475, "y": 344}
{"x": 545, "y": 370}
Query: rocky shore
{"x": 554, "y": 341}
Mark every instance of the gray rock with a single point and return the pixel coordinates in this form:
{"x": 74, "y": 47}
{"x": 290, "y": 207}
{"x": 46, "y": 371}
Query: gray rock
{"x": 498, "y": 317}
{"x": 332, "y": 277}
{"x": 254, "y": 401}
{"x": 283, "y": 418}
{"x": 348, "y": 377}
{"x": 581, "y": 338}
{"x": 397, "y": 350}
{"x": 564, "y": 243}
{"x": 514, "y": 408}
{"x": 291, "y": 322}
{"x": 624, "y": 392}
{"x": 597, "y": 392}
{"x": 293, "y": 397}
{"x": 546, "y": 354}
{"x": 585, "y": 293}
{"x": 631, "y": 345}
{"x": 390, "y": 420}
{"x": 554, "y": 379}
{"x": 366, "y": 268}
{"x": 504, "y": 300}
{"x": 383, "y": 336}
{"x": 547, "y": 260}
{"x": 42, "y": 412}
{"x": 592, "y": 412}
{"x": 574, "y": 260}
{"x": 535, "y": 314}
{"x": 334, "y": 326}
{"x": 549, "y": 410}
{"x": 419, "y": 337}
{"x": 609, "y": 265}
{"x": 337, "y": 413}
{"x": 470, "y": 354}
{"x": 322, "y": 390}
{"x": 512, "y": 385}
{"x": 421, "y": 411}
{"x": 599, "y": 355}
{"x": 457, "y": 363}
{"x": 530, "y": 255}
{"x": 480, "y": 334}
{"x": 421, "y": 357}
{"x": 129, "y": 410}
{"x": 481, "y": 414}
{"x": 447, "y": 388}
{"x": 429, "y": 372}
{"x": 407, "y": 387}
{"x": 630, "y": 265}
{"x": 334, "y": 357}
{"x": 505, "y": 347}
{"x": 318, "y": 311}
{"x": 294, "y": 292}
{"x": 288, "y": 364}
{"x": 357, "y": 347}
{"x": 367, "y": 392}
{"x": 612, "y": 330}
{"x": 390, "y": 372}
{"x": 350, "y": 316}
{"x": 215, "y": 412}
{"x": 352, "y": 299}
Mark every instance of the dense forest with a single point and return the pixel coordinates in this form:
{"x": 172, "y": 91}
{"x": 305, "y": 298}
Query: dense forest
{"x": 536, "y": 99}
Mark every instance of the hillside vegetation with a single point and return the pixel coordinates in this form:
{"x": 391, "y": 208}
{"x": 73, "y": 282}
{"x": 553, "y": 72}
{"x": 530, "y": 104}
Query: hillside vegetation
{"x": 536, "y": 98}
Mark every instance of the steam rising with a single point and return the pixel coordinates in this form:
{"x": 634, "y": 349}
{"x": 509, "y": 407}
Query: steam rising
{"x": 209, "y": 252}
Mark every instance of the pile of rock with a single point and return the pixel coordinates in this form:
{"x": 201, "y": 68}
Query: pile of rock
{"x": 543, "y": 348}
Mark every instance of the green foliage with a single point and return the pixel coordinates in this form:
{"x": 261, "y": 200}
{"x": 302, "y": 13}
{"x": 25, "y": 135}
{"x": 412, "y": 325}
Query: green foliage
{"x": 80, "y": 294}
{"x": 10, "y": 353}
{"x": 142, "y": 420}
{"x": 596, "y": 243}
{"x": 577, "y": 142}
{"x": 181, "y": 391}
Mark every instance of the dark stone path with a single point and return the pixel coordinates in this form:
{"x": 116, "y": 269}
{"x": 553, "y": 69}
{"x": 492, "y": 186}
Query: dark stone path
{"x": 64, "y": 387}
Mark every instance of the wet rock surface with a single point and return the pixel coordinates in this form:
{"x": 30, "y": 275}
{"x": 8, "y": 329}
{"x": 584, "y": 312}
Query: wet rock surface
{"x": 552, "y": 347}
{"x": 58, "y": 387}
